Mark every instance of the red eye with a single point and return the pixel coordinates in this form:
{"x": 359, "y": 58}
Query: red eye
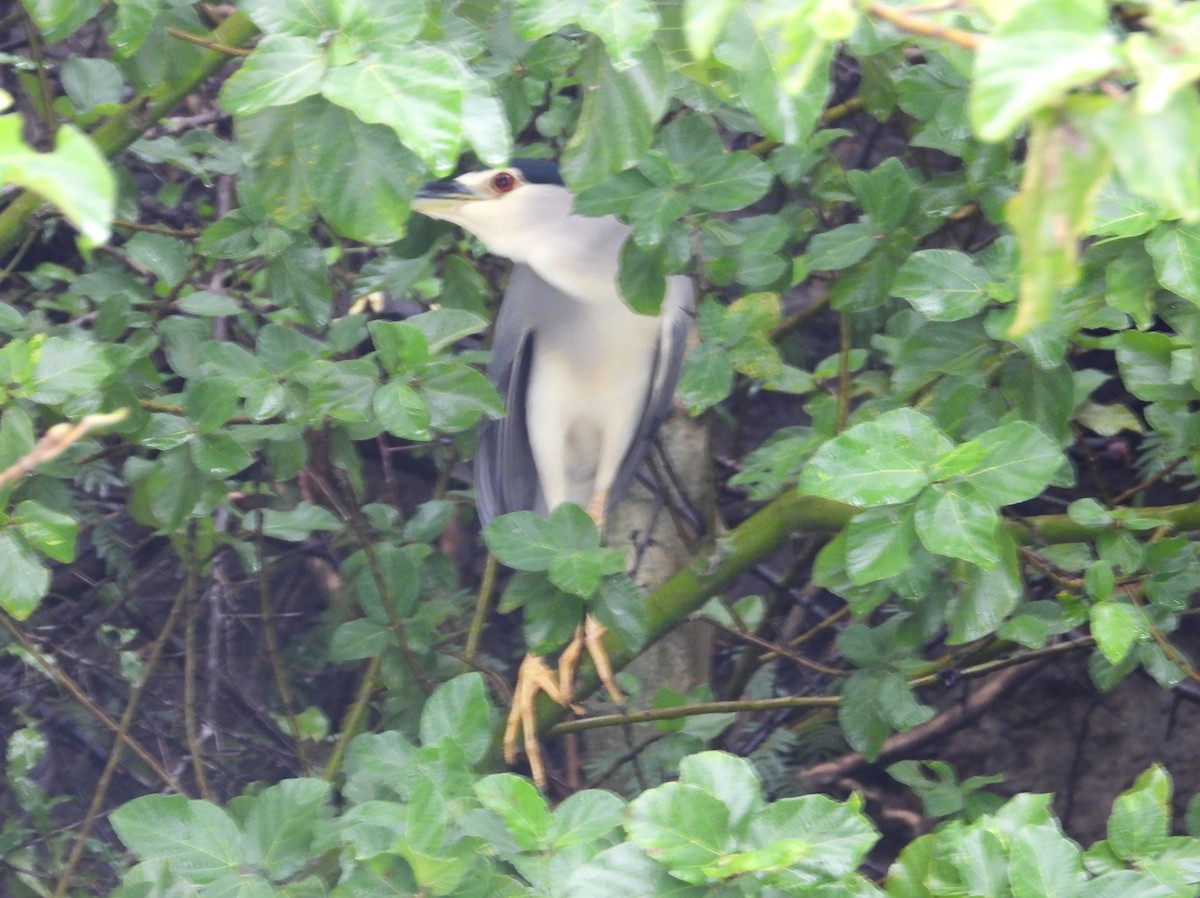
{"x": 503, "y": 182}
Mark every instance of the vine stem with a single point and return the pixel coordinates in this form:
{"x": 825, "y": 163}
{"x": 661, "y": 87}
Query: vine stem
{"x": 905, "y": 21}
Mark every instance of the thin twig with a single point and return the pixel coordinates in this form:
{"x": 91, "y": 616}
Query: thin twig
{"x": 56, "y": 441}
{"x": 207, "y": 43}
{"x": 903, "y": 20}
{"x": 123, "y": 738}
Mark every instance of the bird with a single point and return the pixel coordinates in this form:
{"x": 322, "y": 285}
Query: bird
{"x": 585, "y": 380}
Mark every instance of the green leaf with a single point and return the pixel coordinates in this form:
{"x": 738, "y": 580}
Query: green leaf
{"x": 1019, "y": 464}
{"x": 879, "y": 544}
{"x": 219, "y": 455}
{"x": 416, "y": 90}
{"x": 295, "y": 525}
{"x": 584, "y": 818}
{"x": 728, "y": 778}
{"x": 299, "y": 276}
{"x": 1175, "y": 250}
{"x": 837, "y": 834}
{"x": 91, "y": 83}
{"x": 281, "y": 70}
{"x": 458, "y": 711}
{"x": 986, "y": 596}
{"x": 942, "y": 284}
{"x": 526, "y": 541}
{"x": 703, "y": 21}
{"x": 861, "y": 714}
{"x": 617, "y": 119}
{"x": 580, "y": 571}
{"x": 444, "y": 327}
{"x": 707, "y": 377}
{"x": 627, "y": 871}
{"x": 402, "y": 411}
{"x": 199, "y": 840}
{"x": 1117, "y": 627}
{"x": 210, "y": 402}
{"x": 26, "y": 580}
{"x": 75, "y": 177}
{"x": 282, "y": 824}
{"x": 58, "y": 19}
{"x": 685, "y": 827}
{"x": 1023, "y": 71}
{"x": 729, "y": 181}
{"x": 359, "y": 175}
{"x": 1140, "y": 823}
{"x": 458, "y": 396}
{"x": 50, "y": 532}
{"x": 620, "y": 607}
{"x": 881, "y": 462}
{"x": 1044, "y": 862}
{"x": 358, "y": 639}
{"x": 886, "y": 192}
{"x": 67, "y": 368}
{"x": 521, "y": 806}
{"x": 841, "y": 247}
{"x": 1157, "y": 155}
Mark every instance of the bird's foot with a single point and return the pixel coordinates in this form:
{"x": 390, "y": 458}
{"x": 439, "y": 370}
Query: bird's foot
{"x": 534, "y": 677}
{"x": 588, "y": 636}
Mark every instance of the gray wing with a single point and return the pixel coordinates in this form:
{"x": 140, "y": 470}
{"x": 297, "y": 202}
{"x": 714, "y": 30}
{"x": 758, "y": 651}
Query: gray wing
{"x": 505, "y": 476}
{"x": 678, "y": 312}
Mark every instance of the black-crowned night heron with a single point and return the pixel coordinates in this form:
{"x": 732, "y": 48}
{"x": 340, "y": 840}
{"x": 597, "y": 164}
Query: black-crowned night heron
{"x": 586, "y": 381}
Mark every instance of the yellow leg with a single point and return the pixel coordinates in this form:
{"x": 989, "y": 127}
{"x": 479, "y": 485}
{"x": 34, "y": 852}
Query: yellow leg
{"x": 533, "y": 677}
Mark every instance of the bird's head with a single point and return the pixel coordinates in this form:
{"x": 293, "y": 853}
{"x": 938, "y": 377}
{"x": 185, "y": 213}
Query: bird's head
{"x": 512, "y": 209}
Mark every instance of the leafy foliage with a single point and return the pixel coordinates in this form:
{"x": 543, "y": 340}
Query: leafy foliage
{"x": 252, "y": 361}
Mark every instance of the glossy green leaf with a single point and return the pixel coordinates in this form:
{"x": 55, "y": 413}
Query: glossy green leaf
{"x": 282, "y": 824}
{"x": 75, "y": 177}
{"x": 879, "y": 544}
{"x": 67, "y": 368}
{"x": 295, "y": 525}
{"x": 686, "y": 827}
{"x": 1140, "y": 823}
{"x": 415, "y": 90}
{"x": 841, "y": 247}
{"x": 358, "y": 639}
{"x": 402, "y": 412}
{"x": 986, "y": 596}
{"x": 942, "y": 284}
{"x": 359, "y": 175}
{"x": 1018, "y": 464}
{"x": 707, "y": 377}
{"x": 881, "y": 462}
{"x": 459, "y": 712}
{"x": 585, "y": 817}
{"x": 1033, "y": 64}
{"x": 27, "y": 580}
{"x": 1157, "y": 155}
{"x": 1175, "y": 251}
{"x": 281, "y": 70}
{"x": 1044, "y": 862}
{"x": 50, "y": 532}
{"x": 199, "y": 840}
{"x": 458, "y": 396}
{"x": 522, "y": 807}
{"x": 617, "y": 119}
{"x": 1117, "y": 628}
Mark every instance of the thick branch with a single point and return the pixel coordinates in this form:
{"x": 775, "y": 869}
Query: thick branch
{"x": 792, "y": 514}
